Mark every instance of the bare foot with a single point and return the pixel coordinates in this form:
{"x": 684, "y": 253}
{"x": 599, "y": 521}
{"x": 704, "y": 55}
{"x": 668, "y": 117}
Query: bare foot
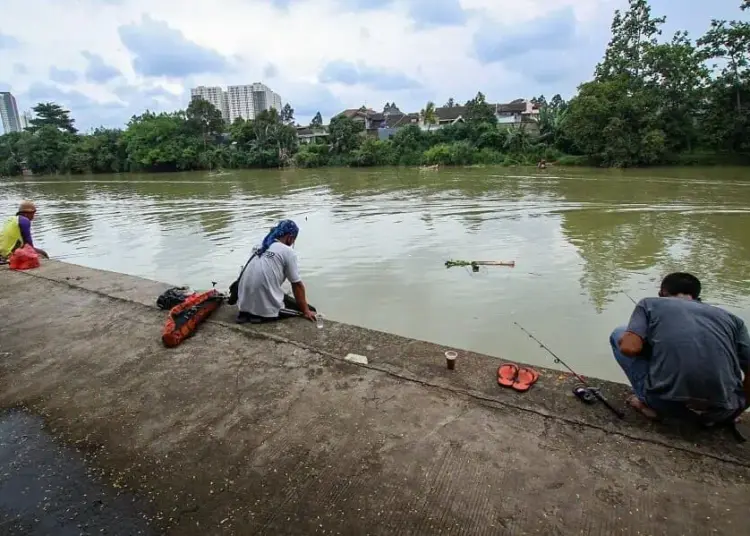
{"x": 638, "y": 404}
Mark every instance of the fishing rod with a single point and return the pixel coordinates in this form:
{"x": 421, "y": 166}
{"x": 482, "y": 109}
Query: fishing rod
{"x": 594, "y": 390}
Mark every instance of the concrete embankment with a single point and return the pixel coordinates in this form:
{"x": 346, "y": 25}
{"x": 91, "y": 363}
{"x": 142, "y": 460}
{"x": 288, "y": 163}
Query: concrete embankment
{"x": 268, "y": 430}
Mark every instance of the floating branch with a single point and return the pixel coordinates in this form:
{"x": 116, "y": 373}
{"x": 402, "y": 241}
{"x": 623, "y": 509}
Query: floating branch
{"x": 476, "y": 264}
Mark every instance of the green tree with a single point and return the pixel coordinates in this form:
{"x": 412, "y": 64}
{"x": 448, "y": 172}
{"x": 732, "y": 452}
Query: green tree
{"x": 203, "y": 118}
{"x": 517, "y": 140}
{"x": 608, "y": 124}
{"x": 429, "y": 117}
{"x": 451, "y": 103}
{"x": 51, "y": 114}
{"x": 344, "y": 134}
{"x": 317, "y": 121}
{"x": 45, "y": 151}
{"x": 372, "y": 152}
{"x": 725, "y": 123}
{"x": 287, "y": 114}
{"x": 478, "y": 111}
{"x": 159, "y": 142}
{"x": 676, "y": 80}
{"x": 312, "y": 156}
{"x": 409, "y": 144}
{"x": 539, "y": 101}
{"x": 730, "y": 42}
{"x": 633, "y": 34}
{"x": 102, "y": 151}
{"x": 263, "y": 142}
{"x": 10, "y": 159}
{"x": 551, "y": 120}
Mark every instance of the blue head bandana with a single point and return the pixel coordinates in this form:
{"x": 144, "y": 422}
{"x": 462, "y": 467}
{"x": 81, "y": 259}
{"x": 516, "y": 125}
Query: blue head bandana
{"x": 283, "y": 228}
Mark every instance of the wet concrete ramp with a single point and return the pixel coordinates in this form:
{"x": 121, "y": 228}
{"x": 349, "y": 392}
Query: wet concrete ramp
{"x": 235, "y": 433}
{"x": 46, "y": 489}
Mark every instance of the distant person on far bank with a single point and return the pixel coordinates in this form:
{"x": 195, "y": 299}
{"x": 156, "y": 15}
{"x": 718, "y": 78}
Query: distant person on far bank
{"x": 261, "y": 298}
{"x": 16, "y": 231}
{"x": 685, "y": 359}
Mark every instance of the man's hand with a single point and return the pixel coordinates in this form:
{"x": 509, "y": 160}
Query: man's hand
{"x": 631, "y": 344}
{"x": 42, "y": 253}
{"x": 310, "y": 315}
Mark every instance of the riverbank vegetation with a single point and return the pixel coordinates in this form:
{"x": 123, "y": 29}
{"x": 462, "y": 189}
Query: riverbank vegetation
{"x": 653, "y": 101}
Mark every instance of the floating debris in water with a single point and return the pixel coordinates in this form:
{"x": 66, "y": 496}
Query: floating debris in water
{"x": 476, "y": 264}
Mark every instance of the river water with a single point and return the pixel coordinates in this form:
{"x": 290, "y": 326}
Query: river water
{"x": 373, "y": 243}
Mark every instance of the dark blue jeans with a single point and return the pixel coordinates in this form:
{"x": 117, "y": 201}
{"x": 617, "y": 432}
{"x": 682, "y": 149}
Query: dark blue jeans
{"x": 636, "y": 369}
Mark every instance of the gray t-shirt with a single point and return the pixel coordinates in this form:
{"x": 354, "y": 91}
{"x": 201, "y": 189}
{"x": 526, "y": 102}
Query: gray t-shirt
{"x": 697, "y": 352}
{"x": 260, "y": 291}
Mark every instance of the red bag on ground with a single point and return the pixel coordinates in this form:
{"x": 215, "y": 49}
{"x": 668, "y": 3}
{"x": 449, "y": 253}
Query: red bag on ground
{"x": 25, "y": 258}
{"x": 185, "y": 318}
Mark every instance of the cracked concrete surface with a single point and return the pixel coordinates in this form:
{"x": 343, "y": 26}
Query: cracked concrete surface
{"x": 246, "y": 430}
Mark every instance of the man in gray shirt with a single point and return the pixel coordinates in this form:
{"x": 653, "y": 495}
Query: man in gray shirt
{"x": 685, "y": 359}
{"x": 260, "y": 296}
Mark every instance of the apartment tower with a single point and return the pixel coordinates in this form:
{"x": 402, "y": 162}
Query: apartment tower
{"x": 9, "y": 112}
{"x": 249, "y": 100}
{"x": 215, "y": 95}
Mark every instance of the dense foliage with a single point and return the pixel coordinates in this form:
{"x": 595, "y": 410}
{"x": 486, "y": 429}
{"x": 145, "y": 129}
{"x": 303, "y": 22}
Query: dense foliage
{"x": 652, "y": 101}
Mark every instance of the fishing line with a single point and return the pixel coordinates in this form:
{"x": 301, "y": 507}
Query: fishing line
{"x": 594, "y": 390}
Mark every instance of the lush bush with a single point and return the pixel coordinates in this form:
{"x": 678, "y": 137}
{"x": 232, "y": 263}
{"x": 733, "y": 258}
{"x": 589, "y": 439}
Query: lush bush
{"x": 373, "y": 152}
{"x": 488, "y": 156}
{"x": 439, "y": 154}
{"x": 312, "y": 156}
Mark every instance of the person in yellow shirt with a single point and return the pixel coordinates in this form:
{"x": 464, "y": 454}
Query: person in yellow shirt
{"x": 16, "y": 231}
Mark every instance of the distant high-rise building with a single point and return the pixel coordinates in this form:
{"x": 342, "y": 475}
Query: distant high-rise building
{"x": 26, "y": 118}
{"x": 225, "y": 106}
{"x": 239, "y": 101}
{"x": 9, "y": 112}
{"x": 249, "y": 100}
{"x": 215, "y": 95}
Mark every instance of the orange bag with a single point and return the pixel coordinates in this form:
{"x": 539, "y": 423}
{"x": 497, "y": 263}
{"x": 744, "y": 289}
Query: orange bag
{"x": 185, "y": 318}
{"x": 25, "y": 258}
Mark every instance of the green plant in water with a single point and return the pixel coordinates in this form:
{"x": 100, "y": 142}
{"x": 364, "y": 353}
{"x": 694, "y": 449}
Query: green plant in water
{"x": 453, "y": 264}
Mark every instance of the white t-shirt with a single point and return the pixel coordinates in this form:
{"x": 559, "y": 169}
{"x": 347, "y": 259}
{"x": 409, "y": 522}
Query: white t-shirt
{"x": 260, "y": 291}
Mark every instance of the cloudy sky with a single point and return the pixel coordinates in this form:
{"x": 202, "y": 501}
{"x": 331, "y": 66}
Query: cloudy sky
{"x": 109, "y": 59}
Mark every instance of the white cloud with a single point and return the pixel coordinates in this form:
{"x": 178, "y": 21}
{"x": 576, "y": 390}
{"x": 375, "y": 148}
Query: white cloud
{"x": 297, "y": 42}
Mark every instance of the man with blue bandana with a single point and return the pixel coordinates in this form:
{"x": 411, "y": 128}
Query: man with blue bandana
{"x": 261, "y": 298}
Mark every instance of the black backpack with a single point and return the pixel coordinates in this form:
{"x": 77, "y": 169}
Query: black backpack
{"x": 172, "y": 297}
{"x": 234, "y": 288}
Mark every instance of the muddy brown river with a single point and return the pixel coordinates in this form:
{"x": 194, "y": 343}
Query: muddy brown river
{"x": 373, "y": 243}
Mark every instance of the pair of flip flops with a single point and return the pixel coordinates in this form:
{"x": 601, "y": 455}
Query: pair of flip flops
{"x": 519, "y": 378}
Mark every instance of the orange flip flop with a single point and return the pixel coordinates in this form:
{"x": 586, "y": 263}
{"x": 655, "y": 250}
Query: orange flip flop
{"x": 506, "y": 374}
{"x": 526, "y": 378}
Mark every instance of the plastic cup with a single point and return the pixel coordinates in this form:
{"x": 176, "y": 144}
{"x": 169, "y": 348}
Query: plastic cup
{"x": 450, "y": 359}
{"x": 319, "y": 320}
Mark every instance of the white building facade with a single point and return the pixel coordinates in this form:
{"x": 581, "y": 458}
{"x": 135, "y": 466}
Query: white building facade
{"x": 26, "y": 118}
{"x": 249, "y": 100}
{"x": 245, "y": 101}
{"x": 9, "y": 113}
{"x": 215, "y": 95}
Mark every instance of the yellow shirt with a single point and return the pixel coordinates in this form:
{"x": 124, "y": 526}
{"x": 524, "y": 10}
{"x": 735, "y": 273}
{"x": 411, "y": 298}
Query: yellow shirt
{"x": 10, "y": 237}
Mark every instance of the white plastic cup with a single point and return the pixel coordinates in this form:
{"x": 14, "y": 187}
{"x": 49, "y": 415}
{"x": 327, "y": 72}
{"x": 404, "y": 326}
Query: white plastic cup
{"x": 319, "y": 320}
{"x": 450, "y": 359}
